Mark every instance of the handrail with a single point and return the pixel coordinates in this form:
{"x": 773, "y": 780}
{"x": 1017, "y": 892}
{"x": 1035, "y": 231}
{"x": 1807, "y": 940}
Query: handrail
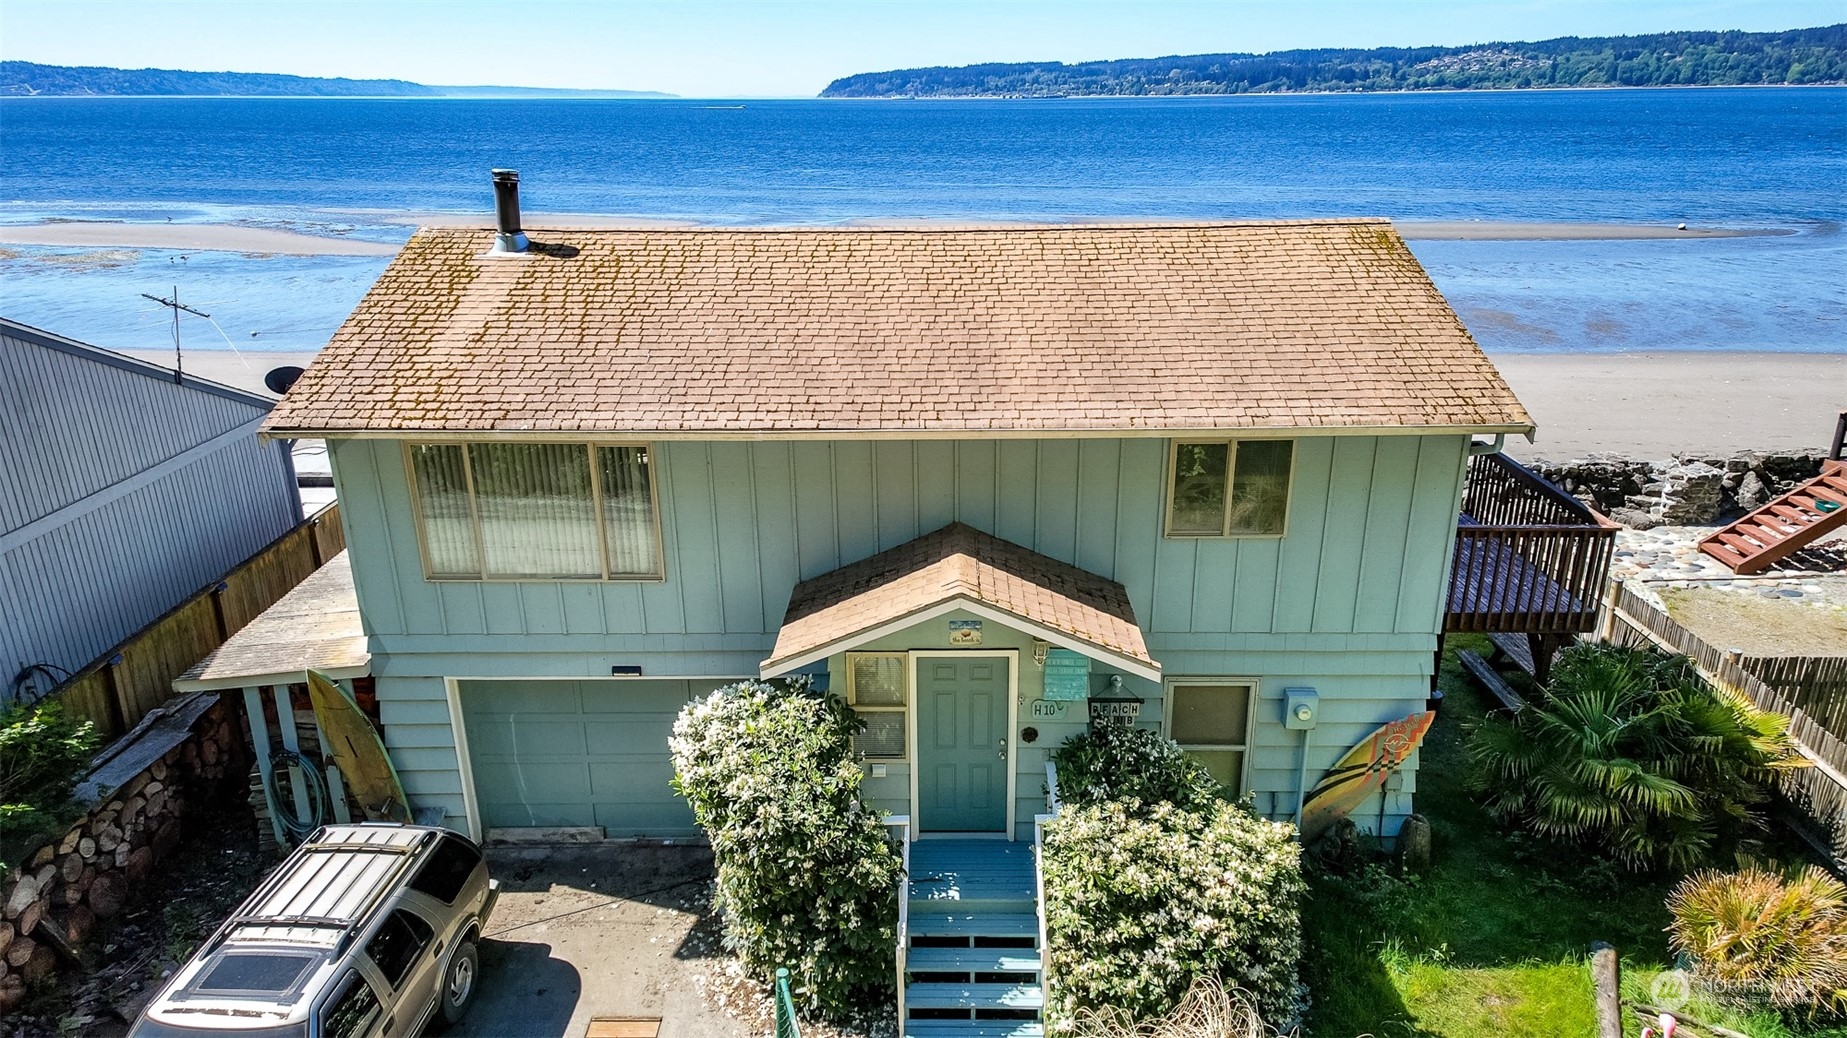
{"x": 1053, "y": 805}
{"x": 786, "y": 1025}
{"x": 902, "y": 823}
{"x": 1500, "y": 492}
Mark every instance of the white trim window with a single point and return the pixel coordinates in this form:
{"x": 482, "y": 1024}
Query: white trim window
{"x": 1211, "y": 720}
{"x": 1229, "y": 488}
{"x": 535, "y": 511}
{"x": 879, "y": 691}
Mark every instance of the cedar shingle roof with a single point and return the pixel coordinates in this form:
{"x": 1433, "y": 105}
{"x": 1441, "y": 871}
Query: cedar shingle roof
{"x": 919, "y": 331}
{"x": 957, "y": 563}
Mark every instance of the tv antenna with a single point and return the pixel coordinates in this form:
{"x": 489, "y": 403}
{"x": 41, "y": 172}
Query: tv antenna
{"x": 176, "y": 306}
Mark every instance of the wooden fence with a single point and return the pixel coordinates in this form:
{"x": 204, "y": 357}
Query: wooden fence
{"x": 117, "y": 690}
{"x": 1817, "y": 684}
{"x": 1818, "y": 793}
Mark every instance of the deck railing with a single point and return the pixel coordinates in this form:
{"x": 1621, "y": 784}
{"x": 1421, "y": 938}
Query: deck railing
{"x": 902, "y": 823}
{"x": 1529, "y": 559}
{"x": 1052, "y": 806}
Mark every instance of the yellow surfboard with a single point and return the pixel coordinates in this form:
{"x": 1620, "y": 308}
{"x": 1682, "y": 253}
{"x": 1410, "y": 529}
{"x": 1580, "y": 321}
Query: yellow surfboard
{"x": 349, "y": 738}
{"x": 1361, "y": 773}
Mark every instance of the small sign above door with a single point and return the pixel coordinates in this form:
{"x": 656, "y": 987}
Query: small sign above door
{"x": 965, "y": 632}
{"x": 1067, "y": 675}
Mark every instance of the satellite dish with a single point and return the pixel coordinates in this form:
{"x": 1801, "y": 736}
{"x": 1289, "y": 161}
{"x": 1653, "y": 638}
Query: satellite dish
{"x": 280, "y": 379}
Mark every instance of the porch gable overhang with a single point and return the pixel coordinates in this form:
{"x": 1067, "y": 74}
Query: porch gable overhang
{"x": 960, "y": 568}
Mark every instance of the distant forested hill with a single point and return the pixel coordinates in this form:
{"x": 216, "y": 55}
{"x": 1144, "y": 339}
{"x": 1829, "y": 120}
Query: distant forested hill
{"x": 1799, "y": 56}
{"x": 25, "y": 79}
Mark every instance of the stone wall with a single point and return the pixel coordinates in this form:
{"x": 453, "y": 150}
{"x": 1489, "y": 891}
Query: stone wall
{"x": 141, "y": 789}
{"x": 1685, "y": 490}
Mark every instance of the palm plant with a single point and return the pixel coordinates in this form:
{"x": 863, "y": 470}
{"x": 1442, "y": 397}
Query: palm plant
{"x": 1634, "y": 752}
{"x": 1752, "y": 933}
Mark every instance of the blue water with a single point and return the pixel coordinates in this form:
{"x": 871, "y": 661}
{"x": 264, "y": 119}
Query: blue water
{"x": 1765, "y": 158}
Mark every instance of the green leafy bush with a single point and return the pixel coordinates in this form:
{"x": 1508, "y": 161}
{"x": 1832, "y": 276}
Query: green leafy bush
{"x": 1633, "y": 753}
{"x": 807, "y": 876}
{"x": 1141, "y": 902}
{"x": 1753, "y": 934}
{"x": 42, "y": 755}
{"x": 1122, "y": 763}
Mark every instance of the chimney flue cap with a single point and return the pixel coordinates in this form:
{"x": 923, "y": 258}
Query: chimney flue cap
{"x": 508, "y": 237}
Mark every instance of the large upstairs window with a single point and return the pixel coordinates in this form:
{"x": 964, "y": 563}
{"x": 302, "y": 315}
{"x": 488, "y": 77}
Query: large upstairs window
{"x": 1235, "y": 488}
{"x": 536, "y": 511}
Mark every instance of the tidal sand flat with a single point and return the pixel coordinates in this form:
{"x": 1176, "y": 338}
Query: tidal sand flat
{"x": 205, "y": 237}
{"x": 1563, "y": 230}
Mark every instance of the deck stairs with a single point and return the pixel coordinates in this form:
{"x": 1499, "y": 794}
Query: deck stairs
{"x": 972, "y": 964}
{"x": 1784, "y": 526}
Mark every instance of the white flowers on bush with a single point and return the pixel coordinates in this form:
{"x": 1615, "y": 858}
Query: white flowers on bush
{"x": 1142, "y": 899}
{"x": 807, "y": 878}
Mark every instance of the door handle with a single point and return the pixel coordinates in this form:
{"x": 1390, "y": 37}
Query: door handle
{"x": 1002, "y": 752}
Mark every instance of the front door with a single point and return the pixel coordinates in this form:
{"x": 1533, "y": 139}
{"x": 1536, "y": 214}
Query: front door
{"x": 962, "y": 751}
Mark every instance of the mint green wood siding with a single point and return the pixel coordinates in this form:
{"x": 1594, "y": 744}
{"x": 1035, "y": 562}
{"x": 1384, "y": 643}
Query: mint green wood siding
{"x": 1348, "y": 601}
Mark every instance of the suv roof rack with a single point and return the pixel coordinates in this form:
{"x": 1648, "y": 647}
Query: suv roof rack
{"x": 346, "y": 874}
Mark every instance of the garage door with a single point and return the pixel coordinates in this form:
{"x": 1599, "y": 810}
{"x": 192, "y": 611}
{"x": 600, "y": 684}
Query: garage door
{"x": 577, "y": 753}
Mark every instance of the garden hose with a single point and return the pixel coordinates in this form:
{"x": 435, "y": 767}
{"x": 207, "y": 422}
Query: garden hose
{"x": 314, "y": 788}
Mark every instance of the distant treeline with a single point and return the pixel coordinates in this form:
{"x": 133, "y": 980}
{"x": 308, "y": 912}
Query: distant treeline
{"x": 1799, "y": 56}
{"x": 26, "y": 79}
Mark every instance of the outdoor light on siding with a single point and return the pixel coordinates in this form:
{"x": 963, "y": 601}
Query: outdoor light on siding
{"x": 1041, "y": 649}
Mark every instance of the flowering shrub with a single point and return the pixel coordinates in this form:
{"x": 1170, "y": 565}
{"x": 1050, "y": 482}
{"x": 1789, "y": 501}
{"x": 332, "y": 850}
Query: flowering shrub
{"x": 1120, "y": 762}
{"x": 807, "y": 877}
{"x": 1142, "y": 901}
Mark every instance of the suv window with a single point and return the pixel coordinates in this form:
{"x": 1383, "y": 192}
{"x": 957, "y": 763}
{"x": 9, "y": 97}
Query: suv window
{"x": 397, "y": 944}
{"x": 447, "y": 870}
{"x": 352, "y": 1014}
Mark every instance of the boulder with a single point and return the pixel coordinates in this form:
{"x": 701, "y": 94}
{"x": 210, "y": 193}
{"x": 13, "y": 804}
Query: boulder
{"x": 1414, "y": 843}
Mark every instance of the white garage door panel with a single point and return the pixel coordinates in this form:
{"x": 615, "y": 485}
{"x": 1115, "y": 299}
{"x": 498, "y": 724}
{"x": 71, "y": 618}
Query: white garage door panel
{"x": 578, "y": 753}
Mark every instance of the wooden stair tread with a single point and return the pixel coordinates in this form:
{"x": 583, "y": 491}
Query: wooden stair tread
{"x": 1781, "y": 527}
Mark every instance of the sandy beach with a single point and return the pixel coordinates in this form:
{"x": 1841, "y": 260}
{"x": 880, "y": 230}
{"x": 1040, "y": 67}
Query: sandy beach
{"x": 194, "y": 237}
{"x": 1648, "y": 405}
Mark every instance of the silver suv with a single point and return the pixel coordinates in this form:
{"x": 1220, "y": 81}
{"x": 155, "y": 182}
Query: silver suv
{"x": 366, "y": 931}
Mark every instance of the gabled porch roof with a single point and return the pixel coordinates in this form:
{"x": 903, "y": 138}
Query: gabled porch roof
{"x": 961, "y": 568}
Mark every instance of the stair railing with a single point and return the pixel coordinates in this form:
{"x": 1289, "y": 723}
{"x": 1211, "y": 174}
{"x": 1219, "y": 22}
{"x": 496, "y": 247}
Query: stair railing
{"x": 1052, "y": 806}
{"x": 902, "y": 823}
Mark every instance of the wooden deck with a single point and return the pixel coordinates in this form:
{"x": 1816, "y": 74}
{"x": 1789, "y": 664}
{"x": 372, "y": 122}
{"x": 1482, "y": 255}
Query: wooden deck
{"x": 1530, "y": 558}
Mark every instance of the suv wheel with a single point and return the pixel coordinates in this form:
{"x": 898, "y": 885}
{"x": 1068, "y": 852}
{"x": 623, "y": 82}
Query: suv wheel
{"x": 459, "y": 981}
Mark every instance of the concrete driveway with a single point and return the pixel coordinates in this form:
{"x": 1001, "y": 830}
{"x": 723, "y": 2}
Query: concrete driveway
{"x": 601, "y": 930}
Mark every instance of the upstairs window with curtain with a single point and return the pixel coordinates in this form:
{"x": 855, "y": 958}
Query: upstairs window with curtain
{"x": 536, "y": 511}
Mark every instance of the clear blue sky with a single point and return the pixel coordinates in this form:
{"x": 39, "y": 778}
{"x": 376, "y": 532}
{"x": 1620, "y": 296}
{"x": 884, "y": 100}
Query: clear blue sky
{"x": 707, "y": 48}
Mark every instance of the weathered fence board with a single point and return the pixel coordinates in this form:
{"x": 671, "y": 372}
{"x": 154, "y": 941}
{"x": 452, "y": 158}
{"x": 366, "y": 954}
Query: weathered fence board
{"x": 117, "y": 690}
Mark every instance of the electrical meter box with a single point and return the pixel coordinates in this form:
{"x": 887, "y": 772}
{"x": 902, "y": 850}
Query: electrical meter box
{"x": 1301, "y": 708}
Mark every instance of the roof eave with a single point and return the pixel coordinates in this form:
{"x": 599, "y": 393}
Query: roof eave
{"x": 282, "y": 432}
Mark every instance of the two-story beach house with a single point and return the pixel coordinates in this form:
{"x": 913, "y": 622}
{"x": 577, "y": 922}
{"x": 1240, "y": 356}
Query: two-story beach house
{"x": 981, "y": 480}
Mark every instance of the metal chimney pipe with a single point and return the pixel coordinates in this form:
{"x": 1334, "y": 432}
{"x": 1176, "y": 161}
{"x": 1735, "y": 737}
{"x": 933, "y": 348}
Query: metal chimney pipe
{"x": 508, "y": 237}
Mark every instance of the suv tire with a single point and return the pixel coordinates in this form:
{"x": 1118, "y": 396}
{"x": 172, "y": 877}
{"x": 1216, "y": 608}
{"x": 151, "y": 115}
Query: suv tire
{"x": 460, "y": 978}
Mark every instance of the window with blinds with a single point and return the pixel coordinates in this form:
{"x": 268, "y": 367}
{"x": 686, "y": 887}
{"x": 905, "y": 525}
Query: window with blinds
{"x": 1211, "y": 720}
{"x": 535, "y": 511}
{"x": 878, "y": 689}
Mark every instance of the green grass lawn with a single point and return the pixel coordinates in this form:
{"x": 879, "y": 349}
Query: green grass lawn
{"x": 1493, "y": 941}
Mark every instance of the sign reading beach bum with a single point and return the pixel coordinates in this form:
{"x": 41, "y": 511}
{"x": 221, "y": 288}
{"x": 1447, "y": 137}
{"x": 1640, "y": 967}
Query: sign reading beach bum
{"x": 965, "y": 632}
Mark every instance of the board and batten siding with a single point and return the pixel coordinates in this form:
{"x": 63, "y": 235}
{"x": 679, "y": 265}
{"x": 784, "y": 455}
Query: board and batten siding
{"x": 1348, "y": 601}
{"x": 121, "y": 493}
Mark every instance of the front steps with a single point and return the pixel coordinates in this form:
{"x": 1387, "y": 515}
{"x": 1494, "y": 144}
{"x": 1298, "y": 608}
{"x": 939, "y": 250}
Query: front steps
{"x": 973, "y": 966}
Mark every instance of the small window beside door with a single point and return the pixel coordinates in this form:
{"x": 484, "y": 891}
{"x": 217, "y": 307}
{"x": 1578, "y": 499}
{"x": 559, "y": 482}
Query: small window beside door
{"x": 878, "y": 690}
{"x": 1211, "y": 720}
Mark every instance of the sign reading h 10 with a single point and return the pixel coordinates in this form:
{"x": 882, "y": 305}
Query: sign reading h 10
{"x": 1067, "y": 675}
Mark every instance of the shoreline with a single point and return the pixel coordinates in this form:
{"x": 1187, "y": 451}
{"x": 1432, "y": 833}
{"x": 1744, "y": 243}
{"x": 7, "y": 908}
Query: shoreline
{"x": 1643, "y": 405}
{"x": 222, "y": 237}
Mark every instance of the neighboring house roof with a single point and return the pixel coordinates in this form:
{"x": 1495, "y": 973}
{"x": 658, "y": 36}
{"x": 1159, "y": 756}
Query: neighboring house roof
{"x": 913, "y": 332}
{"x": 960, "y": 568}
